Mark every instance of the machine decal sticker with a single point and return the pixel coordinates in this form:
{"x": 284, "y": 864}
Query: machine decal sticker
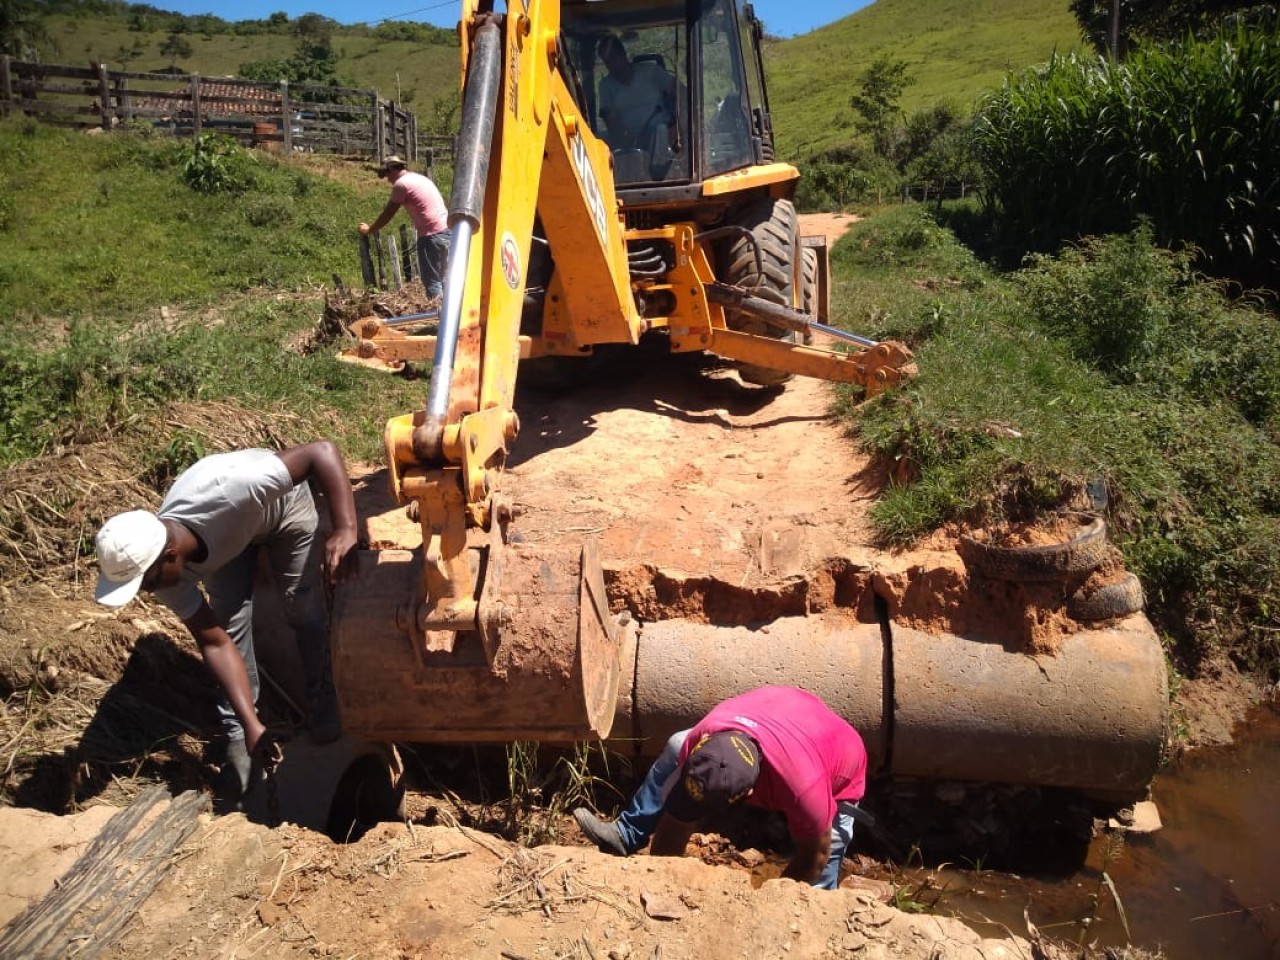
{"x": 513, "y": 79}
{"x": 590, "y": 188}
{"x": 510, "y": 255}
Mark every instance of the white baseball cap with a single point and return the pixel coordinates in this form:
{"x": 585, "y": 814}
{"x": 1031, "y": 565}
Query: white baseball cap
{"x": 128, "y": 544}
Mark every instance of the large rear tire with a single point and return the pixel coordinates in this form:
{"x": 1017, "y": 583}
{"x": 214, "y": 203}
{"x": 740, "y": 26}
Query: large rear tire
{"x": 774, "y": 228}
{"x": 809, "y": 287}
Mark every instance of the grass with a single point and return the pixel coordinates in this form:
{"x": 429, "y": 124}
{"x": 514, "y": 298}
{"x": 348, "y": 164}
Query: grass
{"x": 119, "y": 229}
{"x": 543, "y": 795}
{"x": 123, "y": 290}
{"x": 409, "y": 73}
{"x": 1111, "y": 364}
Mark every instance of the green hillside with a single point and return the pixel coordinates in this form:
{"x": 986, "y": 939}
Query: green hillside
{"x": 414, "y": 73}
{"x": 955, "y": 49}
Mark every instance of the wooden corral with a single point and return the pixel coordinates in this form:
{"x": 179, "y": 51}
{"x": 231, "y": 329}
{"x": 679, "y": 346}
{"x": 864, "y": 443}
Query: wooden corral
{"x": 280, "y": 115}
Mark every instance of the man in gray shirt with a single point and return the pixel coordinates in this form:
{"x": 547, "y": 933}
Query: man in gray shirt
{"x": 208, "y": 531}
{"x": 635, "y": 98}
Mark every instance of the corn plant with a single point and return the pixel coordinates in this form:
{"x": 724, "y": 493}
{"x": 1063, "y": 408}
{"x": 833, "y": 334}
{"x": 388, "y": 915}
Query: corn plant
{"x": 1187, "y": 136}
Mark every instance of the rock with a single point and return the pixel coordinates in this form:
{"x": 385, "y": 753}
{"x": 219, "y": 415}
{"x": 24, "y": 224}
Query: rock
{"x": 1146, "y": 818}
{"x": 662, "y": 906}
{"x": 853, "y": 941}
{"x": 1142, "y": 818}
{"x": 881, "y": 890}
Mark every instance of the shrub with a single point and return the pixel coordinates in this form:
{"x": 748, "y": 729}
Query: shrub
{"x": 1139, "y": 314}
{"x": 214, "y": 163}
{"x": 1098, "y": 299}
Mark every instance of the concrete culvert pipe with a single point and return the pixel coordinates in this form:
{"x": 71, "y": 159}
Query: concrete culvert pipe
{"x": 1093, "y": 717}
{"x": 683, "y": 669}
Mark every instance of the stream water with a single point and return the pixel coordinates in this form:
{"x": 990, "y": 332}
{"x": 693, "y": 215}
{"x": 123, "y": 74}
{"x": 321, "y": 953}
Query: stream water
{"x": 1206, "y": 885}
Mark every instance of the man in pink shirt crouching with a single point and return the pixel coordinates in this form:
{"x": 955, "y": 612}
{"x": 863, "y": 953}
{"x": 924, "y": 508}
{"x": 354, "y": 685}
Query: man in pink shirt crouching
{"x": 779, "y": 748}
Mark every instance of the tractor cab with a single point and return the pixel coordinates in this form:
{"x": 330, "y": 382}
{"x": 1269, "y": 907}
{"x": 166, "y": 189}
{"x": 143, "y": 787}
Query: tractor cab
{"x": 676, "y": 88}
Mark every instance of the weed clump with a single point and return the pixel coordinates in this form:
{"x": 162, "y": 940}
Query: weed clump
{"x": 214, "y": 163}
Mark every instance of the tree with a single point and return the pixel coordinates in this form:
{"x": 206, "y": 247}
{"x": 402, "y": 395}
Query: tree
{"x": 127, "y": 54}
{"x": 314, "y": 59}
{"x": 314, "y": 28}
{"x": 876, "y": 101}
{"x": 176, "y": 47}
{"x": 1158, "y": 21}
{"x": 21, "y": 29}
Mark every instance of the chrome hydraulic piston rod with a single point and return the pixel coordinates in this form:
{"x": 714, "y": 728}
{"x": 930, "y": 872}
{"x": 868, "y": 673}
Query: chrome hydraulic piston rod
{"x": 479, "y": 109}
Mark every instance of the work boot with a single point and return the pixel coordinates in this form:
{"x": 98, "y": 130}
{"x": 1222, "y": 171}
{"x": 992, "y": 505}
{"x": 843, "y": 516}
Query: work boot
{"x": 606, "y": 836}
{"x": 232, "y": 781}
{"x": 326, "y": 723}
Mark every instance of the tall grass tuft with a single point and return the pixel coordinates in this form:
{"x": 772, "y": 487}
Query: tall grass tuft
{"x": 1186, "y": 135}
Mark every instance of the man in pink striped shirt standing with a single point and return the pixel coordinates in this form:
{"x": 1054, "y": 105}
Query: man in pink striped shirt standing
{"x": 426, "y": 208}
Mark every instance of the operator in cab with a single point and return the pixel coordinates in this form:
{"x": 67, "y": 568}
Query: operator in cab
{"x": 780, "y": 748}
{"x": 636, "y": 99}
{"x": 219, "y": 514}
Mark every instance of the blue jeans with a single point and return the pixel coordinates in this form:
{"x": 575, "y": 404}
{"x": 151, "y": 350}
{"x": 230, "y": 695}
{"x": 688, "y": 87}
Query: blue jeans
{"x": 640, "y": 819}
{"x": 294, "y": 552}
{"x": 433, "y": 254}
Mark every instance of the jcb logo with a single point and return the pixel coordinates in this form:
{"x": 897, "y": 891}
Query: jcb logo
{"x": 590, "y": 188}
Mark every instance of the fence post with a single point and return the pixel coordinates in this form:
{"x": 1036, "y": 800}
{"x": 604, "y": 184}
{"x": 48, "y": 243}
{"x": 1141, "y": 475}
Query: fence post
{"x": 393, "y": 258}
{"x": 104, "y": 92}
{"x": 126, "y": 102}
{"x": 195, "y": 105}
{"x": 286, "y": 119}
{"x": 381, "y": 261}
{"x": 407, "y": 249}
{"x": 413, "y": 136}
{"x": 378, "y": 153}
{"x": 6, "y": 85}
{"x": 366, "y": 262}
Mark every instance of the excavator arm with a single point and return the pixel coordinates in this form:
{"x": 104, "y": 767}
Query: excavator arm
{"x": 483, "y": 620}
{"x": 510, "y": 629}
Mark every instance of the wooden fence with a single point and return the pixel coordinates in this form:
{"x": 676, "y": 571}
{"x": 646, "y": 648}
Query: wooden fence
{"x": 294, "y": 116}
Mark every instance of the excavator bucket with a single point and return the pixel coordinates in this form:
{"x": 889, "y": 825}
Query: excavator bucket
{"x": 542, "y": 665}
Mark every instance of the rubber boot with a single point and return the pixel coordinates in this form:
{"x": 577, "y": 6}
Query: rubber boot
{"x": 326, "y": 722}
{"x": 232, "y": 781}
{"x": 605, "y": 835}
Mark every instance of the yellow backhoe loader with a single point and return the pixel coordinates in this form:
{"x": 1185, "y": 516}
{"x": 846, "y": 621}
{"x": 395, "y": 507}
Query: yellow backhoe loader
{"x": 616, "y": 179}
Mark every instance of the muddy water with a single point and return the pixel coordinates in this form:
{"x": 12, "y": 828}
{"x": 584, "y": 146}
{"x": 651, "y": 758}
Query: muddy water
{"x": 1207, "y": 885}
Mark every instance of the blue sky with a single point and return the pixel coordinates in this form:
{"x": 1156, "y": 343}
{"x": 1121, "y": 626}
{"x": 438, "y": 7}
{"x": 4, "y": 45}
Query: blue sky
{"x": 784, "y": 18}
